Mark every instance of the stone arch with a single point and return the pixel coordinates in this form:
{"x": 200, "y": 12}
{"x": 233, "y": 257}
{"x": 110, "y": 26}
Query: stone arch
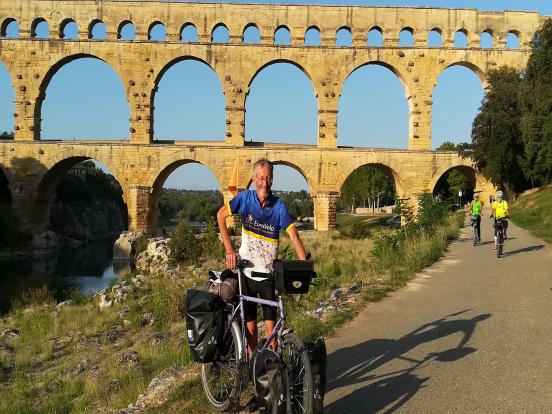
{"x": 155, "y": 24}
{"x": 316, "y": 30}
{"x": 218, "y": 27}
{"x": 439, "y": 31}
{"x": 158, "y": 178}
{"x": 252, "y": 27}
{"x": 92, "y": 25}
{"x": 47, "y": 184}
{"x": 8, "y": 100}
{"x": 46, "y": 82}
{"x": 477, "y": 70}
{"x": 4, "y": 26}
{"x": 513, "y": 40}
{"x": 251, "y": 113}
{"x": 34, "y": 25}
{"x": 389, "y": 167}
{"x": 163, "y": 71}
{"x": 490, "y": 33}
{"x": 462, "y": 165}
{"x": 184, "y": 27}
{"x": 461, "y": 38}
{"x": 63, "y": 25}
{"x": 375, "y": 29}
{"x": 278, "y": 160}
{"x": 411, "y": 41}
{"x": 122, "y": 25}
{"x": 282, "y": 29}
{"x": 346, "y": 33}
{"x": 5, "y": 180}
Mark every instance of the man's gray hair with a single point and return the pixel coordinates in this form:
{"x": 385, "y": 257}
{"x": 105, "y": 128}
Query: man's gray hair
{"x": 263, "y": 162}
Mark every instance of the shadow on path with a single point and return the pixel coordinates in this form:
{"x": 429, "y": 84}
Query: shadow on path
{"x": 390, "y": 391}
{"x": 524, "y": 250}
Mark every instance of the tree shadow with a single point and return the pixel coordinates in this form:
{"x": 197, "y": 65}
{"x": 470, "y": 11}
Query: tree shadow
{"x": 354, "y": 365}
{"x": 524, "y": 250}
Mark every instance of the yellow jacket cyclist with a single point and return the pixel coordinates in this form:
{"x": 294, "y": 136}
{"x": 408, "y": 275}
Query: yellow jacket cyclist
{"x": 500, "y": 210}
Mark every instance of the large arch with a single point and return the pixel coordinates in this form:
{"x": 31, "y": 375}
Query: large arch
{"x": 283, "y": 79}
{"x": 457, "y": 97}
{"x": 7, "y": 98}
{"x": 123, "y": 129}
{"x": 47, "y": 185}
{"x": 439, "y": 185}
{"x": 348, "y": 137}
{"x": 159, "y": 181}
{"x": 215, "y": 127}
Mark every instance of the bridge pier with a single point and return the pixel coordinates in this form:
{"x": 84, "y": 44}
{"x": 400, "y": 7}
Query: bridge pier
{"x": 139, "y": 205}
{"x": 325, "y": 210}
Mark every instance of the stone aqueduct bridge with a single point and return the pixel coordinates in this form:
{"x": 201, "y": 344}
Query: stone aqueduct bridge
{"x": 33, "y": 167}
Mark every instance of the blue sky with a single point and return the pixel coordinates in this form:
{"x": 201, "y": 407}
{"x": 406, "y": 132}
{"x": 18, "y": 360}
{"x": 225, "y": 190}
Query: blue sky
{"x": 281, "y": 106}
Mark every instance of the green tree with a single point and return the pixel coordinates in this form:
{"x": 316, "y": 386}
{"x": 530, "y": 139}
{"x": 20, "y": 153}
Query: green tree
{"x": 183, "y": 245}
{"x": 365, "y": 185}
{"x": 497, "y": 146}
{"x": 536, "y": 104}
{"x": 6, "y": 135}
{"x": 447, "y": 146}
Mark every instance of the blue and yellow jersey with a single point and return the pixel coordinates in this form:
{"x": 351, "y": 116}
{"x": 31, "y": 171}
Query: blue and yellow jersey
{"x": 260, "y": 228}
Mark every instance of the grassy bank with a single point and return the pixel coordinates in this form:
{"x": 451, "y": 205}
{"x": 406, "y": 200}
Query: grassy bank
{"x": 533, "y": 211}
{"x": 81, "y": 359}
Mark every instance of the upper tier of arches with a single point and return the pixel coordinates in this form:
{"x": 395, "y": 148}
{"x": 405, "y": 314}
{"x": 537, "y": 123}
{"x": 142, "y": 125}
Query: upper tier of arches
{"x": 509, "y": 29}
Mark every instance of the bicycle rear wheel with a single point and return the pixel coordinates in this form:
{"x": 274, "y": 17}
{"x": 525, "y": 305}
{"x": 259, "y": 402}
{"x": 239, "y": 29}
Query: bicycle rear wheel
{"x": 299, "y": 375}
{"x": 222, "y": 379}
{"x": 499, "y": 244}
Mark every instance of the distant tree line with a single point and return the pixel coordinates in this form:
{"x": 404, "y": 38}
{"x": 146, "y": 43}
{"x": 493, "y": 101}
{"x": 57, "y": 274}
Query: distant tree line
{"x": 512, "y": 134}
{"x": 202, "y": 205}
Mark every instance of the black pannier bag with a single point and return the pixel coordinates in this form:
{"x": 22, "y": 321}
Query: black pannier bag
{"x": 318, "y": 359}
{"x": 293, "y": 276}
{"x": 268, "y": 373}
{"x": 205, "y": 324}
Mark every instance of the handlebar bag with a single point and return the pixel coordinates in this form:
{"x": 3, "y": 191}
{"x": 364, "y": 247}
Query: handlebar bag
{"x": 293, "y": 276}
{"x": 205, "y": 324}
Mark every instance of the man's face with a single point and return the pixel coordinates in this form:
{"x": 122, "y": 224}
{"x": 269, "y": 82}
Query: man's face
{"x": 262, "y": 178}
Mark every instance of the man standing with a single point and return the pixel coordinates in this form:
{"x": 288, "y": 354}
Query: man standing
{"x": 263, "y": 216}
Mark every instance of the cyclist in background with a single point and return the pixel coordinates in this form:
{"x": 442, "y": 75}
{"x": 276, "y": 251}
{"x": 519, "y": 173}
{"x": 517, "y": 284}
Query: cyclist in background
{"x": 474, "y": 209}
{"x": 500, "y": 210}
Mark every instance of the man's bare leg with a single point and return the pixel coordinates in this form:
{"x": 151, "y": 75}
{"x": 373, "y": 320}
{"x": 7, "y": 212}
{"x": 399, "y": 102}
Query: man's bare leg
{"x": 269, "y": 327}
{"x": 252, "y": 337}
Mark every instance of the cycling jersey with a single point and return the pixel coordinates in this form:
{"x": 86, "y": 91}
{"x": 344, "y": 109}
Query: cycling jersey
{"x": 476, "y": 208}
{"x": 261, "y": 227}
{"x": 500, "y": 208}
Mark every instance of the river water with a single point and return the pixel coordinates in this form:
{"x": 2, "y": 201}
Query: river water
{"x": 89, "y": 268}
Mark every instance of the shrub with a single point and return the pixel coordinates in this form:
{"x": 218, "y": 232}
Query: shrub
{"x": 183, "y": 245}
{"x": 35, "y": 297}
{"x": 210, "y": 244}
{"x": 140, "y": 244}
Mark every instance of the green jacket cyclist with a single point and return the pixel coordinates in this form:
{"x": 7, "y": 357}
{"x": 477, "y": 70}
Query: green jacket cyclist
{"x": 474, "y": 209}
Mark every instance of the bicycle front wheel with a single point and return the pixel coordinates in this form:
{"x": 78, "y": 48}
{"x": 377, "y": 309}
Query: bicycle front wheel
{"x": 299, "y": 375}
{"x": 222, "y": 379}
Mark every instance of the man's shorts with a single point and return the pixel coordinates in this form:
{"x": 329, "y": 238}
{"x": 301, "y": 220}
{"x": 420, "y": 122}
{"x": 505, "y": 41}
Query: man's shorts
{"x": 263, "y": 289}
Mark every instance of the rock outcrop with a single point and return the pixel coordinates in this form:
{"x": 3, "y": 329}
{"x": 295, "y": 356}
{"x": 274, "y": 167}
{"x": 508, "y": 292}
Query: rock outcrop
{"x": 155, "y": 259}
{"x": 124, "y": 246}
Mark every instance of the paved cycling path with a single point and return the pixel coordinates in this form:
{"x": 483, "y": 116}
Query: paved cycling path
{"x": 471, "y": 334}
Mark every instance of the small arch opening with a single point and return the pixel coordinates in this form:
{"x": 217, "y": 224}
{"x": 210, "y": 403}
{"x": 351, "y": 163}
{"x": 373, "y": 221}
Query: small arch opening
{"x": 406, "y": 37}
{"x": 487, "y": 39}
{"x": 435, "y": 38}
{"x": 456, "y": 185}
{"x": 512, "y": 40}
{"x": 39, "y": 29}
{"x": 313, "y": 37}
{"x": 10, "y": 28}
{"x": 157, "y": 32}
{"x": 461, "y": 39}
{"x": 343, "y": 37}
{"x": 126, "y": 31}
{"x": 220, "y": 34}
{"x": 69, "y": 29}
{"x": 282, "y": 36}
{"x": 188, "y": 33}
{"x": 251, "y": 34}
{"x": 7, "y": 107}
{"x": 375, "y": 37}
{"x": 97, "y": 30}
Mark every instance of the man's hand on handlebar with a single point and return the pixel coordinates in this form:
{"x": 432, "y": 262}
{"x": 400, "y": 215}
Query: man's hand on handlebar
{"x": 231, "y": 259}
